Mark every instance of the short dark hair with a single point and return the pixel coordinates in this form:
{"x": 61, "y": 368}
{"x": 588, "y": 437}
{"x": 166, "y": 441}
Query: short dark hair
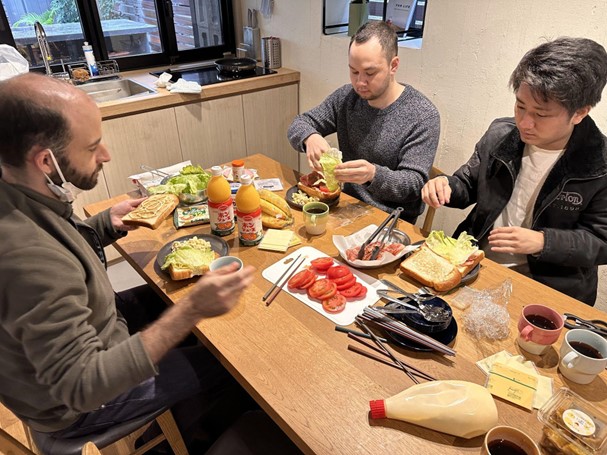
{"x": 384, "y": 33}
{"x": 571, "y": 71}
{"x": 28, "y": 122}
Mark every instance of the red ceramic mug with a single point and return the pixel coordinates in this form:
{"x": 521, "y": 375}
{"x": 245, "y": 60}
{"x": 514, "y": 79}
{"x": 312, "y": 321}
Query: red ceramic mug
{"x": 540, "y": 324}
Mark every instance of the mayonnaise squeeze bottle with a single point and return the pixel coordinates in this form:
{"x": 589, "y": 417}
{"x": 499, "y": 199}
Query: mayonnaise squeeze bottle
{"x": 221, "y": 209}
{"x": 459, "y": 408}
{"x": 248, "y": 213}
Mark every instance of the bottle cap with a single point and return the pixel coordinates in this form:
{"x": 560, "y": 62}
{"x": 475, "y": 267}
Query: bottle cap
{"x": 378, "y": 409}
{"x": 246, "y": 179}
{"x": 216, "y": 170}
{"x": 238, "y": 163}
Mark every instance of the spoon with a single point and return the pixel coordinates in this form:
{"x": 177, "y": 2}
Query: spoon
{"x": 428, "y": 311}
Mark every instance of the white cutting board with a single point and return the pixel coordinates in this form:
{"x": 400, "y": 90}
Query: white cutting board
{"x": 353, "y": 307}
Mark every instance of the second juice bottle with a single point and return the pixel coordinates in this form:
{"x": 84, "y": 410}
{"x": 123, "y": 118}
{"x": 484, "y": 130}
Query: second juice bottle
{"x": 248, "y": 213}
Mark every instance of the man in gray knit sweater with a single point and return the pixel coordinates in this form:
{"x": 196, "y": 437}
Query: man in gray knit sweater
{"x": 388, "y": 132}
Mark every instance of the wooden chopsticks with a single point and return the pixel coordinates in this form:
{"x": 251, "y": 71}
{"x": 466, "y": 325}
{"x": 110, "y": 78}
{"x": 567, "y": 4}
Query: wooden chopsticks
{"x": 278, "y": 287}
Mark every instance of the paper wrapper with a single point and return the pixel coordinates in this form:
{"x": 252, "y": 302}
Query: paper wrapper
{"x": 147, "y": 179}
{"x": 358, "y": 238}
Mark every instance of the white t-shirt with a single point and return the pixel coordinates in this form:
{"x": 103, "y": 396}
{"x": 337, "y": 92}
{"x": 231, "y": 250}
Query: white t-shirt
{"x": 535, "y": 167}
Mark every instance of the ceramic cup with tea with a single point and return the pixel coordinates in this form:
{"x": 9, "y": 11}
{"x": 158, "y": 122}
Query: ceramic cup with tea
{"x": 539, "y": 327}
{"x": 316, "y": 215}
{"x": 504, "y": 440}
{"x": 583, "y": 356}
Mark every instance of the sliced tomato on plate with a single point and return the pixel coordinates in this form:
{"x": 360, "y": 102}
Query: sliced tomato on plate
{"x": 335, "y": 304}
{"x": 352, "y": 291}
{"x": 342, "y": 279}
{"x": 322, "y": 289}
{"x": 309, "y": 283}
{"x": 300, "y": 278}
{"x": 363, "y": 291}
{"x": 346, "y": 284}
{"x": 338, "y": 271}
{"x": 322, "y": 264}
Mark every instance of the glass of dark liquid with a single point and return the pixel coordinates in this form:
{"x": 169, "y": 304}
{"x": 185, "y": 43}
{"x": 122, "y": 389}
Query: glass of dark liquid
{"x": 504, "y": 440}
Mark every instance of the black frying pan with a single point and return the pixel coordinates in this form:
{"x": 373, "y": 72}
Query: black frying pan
{"x": 235, "y": 65}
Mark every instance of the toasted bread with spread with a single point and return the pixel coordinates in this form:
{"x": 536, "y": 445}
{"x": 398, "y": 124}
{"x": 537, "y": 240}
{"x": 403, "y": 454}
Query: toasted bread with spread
{"x": 152, "y": 211}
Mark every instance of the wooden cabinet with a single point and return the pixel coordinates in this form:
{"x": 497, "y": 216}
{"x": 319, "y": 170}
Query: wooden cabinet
{"x": 150, "y": 138}
{"x": 267, "y": 116}
{"x": 212, "y": 132}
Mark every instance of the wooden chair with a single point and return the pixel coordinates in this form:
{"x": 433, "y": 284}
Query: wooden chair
{"x": 10, "y": 446}
{"x": 429, "y": 219}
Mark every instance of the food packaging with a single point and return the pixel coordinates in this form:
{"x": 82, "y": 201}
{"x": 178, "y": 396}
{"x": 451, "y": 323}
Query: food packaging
{"x": 572, "y": 425}
{"x": 152, "y": 178}
{"x": 191, "y": 215}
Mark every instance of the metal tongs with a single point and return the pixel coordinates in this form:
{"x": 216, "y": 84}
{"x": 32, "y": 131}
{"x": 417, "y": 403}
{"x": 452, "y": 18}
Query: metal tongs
{"x": 153, "y": 171}
{"x": 394, "y": 216}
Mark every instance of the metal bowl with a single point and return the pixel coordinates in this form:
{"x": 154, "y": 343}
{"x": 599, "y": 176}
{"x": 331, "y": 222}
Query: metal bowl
{"x": 188, "y": 198}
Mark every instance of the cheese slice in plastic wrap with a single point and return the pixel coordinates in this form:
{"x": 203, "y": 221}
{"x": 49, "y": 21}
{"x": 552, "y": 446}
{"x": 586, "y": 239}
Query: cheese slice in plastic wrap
{"x": 459, "y": 408}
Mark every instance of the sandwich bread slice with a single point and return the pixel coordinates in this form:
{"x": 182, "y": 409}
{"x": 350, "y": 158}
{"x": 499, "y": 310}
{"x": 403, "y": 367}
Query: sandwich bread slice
{"x": 189, "y": 258}
{"x": 152, "y": 211}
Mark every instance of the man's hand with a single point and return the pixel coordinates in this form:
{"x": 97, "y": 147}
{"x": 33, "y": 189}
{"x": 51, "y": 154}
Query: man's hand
{"x": 315, "y": 145}
{"x": 120, "y": 210}
{"x": 436, "y": 192}
{"x": 517, "y": 240}
{"x": 355, "y": 171}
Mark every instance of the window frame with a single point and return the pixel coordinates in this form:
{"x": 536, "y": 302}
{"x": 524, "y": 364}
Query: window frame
{"x": 91, "y": 28}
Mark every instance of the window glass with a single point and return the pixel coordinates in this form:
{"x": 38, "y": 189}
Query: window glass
{"x": 130, "y": 27}
{"x": 197, "y": 23}
{"x": 61, "y": 22}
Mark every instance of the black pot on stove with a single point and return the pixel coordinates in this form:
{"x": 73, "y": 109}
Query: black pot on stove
{"x": 235, "y": 65}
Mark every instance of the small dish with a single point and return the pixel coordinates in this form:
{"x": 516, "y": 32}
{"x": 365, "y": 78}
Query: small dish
{"x": 224, "y": 261}
{"x": 417, "y": 321}
{"x": 294, "y": 189}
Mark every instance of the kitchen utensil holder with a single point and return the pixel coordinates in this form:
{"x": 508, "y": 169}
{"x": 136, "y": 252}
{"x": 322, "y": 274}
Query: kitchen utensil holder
{"x": 270, "y": 52}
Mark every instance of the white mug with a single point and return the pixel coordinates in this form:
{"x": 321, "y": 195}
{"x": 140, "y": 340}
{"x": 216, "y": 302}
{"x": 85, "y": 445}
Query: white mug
{"x": 579, "y": 366}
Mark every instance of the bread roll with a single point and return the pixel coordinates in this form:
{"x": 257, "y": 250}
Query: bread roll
{"x": 152, "y": 211}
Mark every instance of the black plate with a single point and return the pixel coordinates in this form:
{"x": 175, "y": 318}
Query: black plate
{"x": 416, "y": 321}
{"x": 218, "y": 245}
{"x": 295, "y": 189}
{"x": 465, "y": 280}
{"x": 446, "y": 336}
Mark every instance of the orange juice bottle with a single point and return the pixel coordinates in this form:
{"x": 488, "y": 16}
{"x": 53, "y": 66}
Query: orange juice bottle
{"x": 221, "y": 210}
{"x": 248, "y": 213}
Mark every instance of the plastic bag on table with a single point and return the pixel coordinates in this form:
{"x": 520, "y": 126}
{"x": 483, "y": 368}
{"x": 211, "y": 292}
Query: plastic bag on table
{"x": 487, "y": 315}
{"x": 12, "y": 63}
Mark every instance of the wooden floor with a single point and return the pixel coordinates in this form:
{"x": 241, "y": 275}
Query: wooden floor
{"x": 16, "y": 429}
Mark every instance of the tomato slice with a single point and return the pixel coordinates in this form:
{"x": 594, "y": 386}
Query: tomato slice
{"x": 338, "y": 271}
{"x": 299, "y": 278}
{"x": 322, "y": 288}
{"x": 342, "y": 279}
{"x": 308, "y": 283}
{"x": 346, "y": 284}
{"x": 335, "y": 304}
{"x": 363, "y": 291}
{"x": 352, "y": 291}
{"x": 322, "y": 264}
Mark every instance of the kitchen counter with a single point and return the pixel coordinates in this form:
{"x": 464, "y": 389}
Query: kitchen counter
{"x": 163, "y": 98}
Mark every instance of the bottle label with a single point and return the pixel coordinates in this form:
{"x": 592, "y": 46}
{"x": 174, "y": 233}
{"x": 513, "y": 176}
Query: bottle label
{"x": 221, "y": 217}
{"x": 250, "y": 230}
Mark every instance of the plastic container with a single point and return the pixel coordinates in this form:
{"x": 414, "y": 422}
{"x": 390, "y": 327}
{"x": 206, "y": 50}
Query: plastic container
{"x": 572, "y": 425}
{"x": 221, "y": 209}
{"x": 237, "y": 170}
{"x": 90, "y": 59}
{"x": 248, "y": 213}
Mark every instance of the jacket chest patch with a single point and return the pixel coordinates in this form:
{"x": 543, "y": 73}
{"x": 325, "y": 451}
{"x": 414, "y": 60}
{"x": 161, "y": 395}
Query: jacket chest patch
{"x": 569, "y": 201}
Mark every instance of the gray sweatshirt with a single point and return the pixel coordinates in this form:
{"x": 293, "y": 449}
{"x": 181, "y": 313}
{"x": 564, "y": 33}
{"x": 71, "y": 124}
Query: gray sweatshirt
{"x": 401, "y": 141}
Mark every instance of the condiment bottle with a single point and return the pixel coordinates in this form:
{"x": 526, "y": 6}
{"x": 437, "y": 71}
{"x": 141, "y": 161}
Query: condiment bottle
{"x": 237, "y": 169}
{"x": 248, "y": 213}
{"x": 221, "y": 210}
{"x": 90, "y": 59}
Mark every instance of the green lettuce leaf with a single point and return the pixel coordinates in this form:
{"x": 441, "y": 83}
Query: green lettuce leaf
{"x": 188, "y": 257}
{"x": 192, "y": 169}
{"x": 328, "y": 161}
{"x": 165, "y": 189}
{"x": 456, "y": 251}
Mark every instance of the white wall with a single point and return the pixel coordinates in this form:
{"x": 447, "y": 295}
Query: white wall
{"x": 470, "y": 47}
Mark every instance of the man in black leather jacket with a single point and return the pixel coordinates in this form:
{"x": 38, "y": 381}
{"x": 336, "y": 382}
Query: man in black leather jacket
{"x": 539, "y": 180}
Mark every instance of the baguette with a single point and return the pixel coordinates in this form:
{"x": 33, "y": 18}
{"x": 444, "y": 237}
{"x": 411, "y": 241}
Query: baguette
{"x": 152, "y": 211}
{"x": 430, "y": 269}
{"x": 275, "y": 212}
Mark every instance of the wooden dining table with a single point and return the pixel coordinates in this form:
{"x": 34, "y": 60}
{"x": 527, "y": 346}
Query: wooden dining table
{"x": 298, "y": 368}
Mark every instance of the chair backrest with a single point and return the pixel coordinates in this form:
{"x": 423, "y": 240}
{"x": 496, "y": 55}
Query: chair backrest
{"x": 90, "y": 449}
{"x": 429, "y": 219}
{"x": 10, "y": 446}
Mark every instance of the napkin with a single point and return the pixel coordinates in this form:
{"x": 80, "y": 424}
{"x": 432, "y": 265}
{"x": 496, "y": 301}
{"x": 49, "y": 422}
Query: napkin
{"x": 163, "y": 80}
{"x": 276, "y": 240}
{"x": 518, "y": 362}
{"x": 147, "y": 179}
{"x": 183, "y": 86}
{"x": 357, "y": 239}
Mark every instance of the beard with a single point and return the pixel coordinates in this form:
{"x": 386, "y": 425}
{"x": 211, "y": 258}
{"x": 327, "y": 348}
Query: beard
{"x": 80, "y": 180}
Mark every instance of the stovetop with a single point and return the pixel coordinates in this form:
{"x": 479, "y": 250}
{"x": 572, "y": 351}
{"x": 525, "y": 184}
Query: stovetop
{"x": 210, "y": 75}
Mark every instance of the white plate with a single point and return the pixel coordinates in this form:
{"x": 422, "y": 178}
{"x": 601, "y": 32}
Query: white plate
{"x": 353, "y": 307}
